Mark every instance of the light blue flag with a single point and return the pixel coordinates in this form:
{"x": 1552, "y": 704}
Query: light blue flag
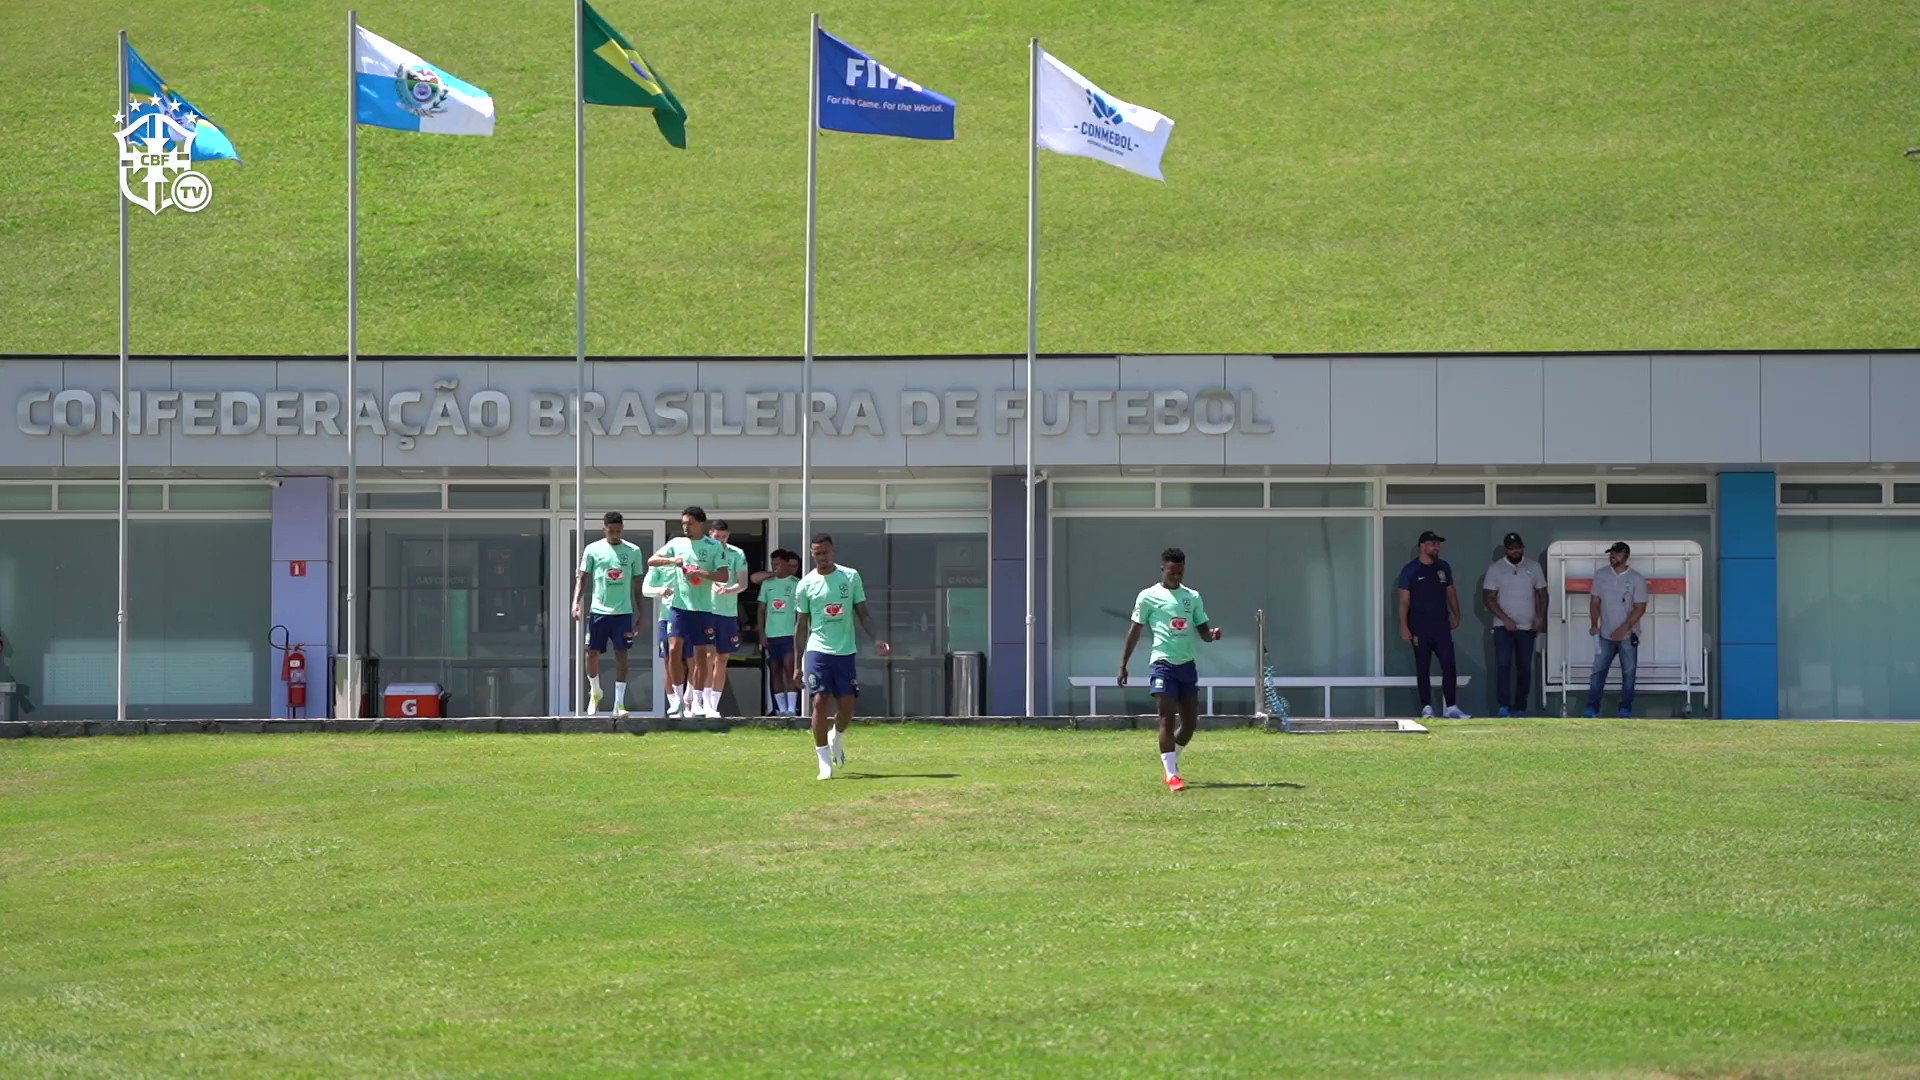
{"x": 395, "y": 88}
{"x": 151, "y": 92}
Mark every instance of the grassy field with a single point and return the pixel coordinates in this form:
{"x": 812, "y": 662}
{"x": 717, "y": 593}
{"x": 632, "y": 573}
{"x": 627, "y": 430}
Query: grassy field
{"x": 1562, "y": 898}
{"x": 1416, "y": 174}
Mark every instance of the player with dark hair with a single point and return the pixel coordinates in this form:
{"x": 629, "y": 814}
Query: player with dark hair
{"x": 777, "y": 587}
{"x": 1178, "y": 618}
{"x": 825, "y": 604}
{"x": 726, "y": 614}
{"x": 700, "y": 561}
{"x": 609, "y": 565}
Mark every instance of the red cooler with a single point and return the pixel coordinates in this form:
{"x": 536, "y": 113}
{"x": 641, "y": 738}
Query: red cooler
{"x": 413, "y": 699}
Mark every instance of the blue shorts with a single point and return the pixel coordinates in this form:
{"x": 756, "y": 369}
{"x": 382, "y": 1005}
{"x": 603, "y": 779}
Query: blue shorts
{"x": 661, "y": 637}
{"x": 726, "y": 633}
{"x": 779, "y": 650}
{"x": 831, "y": 675}
{"x": 1181, "y": 682}
{"x": 605, "y": 630}
{"x": 695, "y": 626}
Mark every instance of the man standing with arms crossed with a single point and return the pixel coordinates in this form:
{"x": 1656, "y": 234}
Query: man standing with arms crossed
{"x": 1515, "y": 591}
{"x": 1429, "y": 614}
{"x": 698, "y": 560}
{"x": 726, "y": 615}
{"x": 826, "y": 603}
{"x": 1177, "y": 617}
{"x": 612, "y": 566}
{"x": 1616, "y": 601}
{"x": 777, "y": 624}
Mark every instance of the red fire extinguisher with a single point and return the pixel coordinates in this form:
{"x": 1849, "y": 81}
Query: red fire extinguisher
{"x": 293, "y": 667}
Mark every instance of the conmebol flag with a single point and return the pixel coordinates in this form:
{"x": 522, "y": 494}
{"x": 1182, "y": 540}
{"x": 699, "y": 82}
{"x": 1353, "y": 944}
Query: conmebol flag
{"x": 861, "y": 95}
{"x": 399, "y": 90}
{"x": 1078, "y": 118}
{"x": 145, "y": 85}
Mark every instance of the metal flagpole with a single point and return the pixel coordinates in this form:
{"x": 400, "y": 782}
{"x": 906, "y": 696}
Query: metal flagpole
{"x": 806, "y": 356}
{"x": 579, "y": 323}
{"x": 354, "y": 673}
{"x": 1033, "y": 339}
{"x": 120, "y": 645}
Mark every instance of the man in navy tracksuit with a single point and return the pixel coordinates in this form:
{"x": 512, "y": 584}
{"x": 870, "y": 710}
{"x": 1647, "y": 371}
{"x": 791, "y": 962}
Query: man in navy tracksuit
{"x": 1429, "y": 614}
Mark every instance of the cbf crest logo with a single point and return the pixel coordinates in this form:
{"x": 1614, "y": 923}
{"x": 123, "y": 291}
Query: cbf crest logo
{"x": 420, "y": 90}
{"x": 156, "y": 160}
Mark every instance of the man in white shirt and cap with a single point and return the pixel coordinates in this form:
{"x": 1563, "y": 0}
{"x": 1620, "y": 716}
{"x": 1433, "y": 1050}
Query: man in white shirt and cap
{"x": 1515, "y": 591}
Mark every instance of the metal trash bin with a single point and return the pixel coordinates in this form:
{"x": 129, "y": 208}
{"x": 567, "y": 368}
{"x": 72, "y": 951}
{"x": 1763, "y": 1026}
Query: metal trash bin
{"x": 369, "y": 678}
{"x": 966, "y": 683}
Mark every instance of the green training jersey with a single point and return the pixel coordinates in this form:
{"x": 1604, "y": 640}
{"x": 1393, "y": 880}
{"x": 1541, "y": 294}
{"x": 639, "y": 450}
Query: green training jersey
{"x": 728, "y": 603}
{"x": 1175, "y": 617}
{"x": 827, "y": 601}
{"x": 612, "y": 567}
{"x": 776, "y": 596}
{"x": 703, "y": 555}
{"x": 662, "y": 578}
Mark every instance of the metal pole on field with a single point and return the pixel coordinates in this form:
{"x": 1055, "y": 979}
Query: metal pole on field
{"x": 1033, "y": 340}
{"x": 120, "y": 428}
{"x": 579, "y": 324}
{"x": 1259, "y": 664}
{"x": 806, "y": 354}
{"x": 353, "y": 355}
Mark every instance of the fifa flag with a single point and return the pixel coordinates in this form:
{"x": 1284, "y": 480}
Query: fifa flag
{"x": 1078, "y": 118}
{"x": 209, "y": 142}
{"x": 861, "y": 95}
{"x": 396, "y": 89}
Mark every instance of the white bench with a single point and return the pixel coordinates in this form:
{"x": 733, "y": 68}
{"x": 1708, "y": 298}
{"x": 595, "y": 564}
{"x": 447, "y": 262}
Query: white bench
{"x": 1209, "y": 683}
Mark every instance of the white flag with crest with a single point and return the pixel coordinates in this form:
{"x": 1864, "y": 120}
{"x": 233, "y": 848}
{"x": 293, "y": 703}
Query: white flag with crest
{"x": 1078, "y": 118}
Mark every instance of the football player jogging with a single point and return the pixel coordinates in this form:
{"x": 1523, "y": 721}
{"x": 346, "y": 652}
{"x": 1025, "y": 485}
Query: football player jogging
{"x": 726, "y": 614}
{"x": 611, "y": 566}
{"x": 658, "y": 585}
{"x": 825, "y": 604}
{"x": 699, "y": 561}
{"x": 1177, "y": 618}
{"x": 776, "y": 621}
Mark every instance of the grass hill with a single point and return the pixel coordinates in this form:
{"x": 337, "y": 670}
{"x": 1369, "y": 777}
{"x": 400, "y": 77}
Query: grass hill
{"x": 1412, "y": 174}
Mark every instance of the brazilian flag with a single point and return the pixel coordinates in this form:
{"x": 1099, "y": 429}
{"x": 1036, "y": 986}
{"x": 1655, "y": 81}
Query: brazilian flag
{"x": 616, "y": 74}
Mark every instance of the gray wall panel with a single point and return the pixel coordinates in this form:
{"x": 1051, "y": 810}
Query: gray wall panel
{"x": 1706, "y": 409}
{"x": 1599, "y": 410}
{"x": 1384, "y": 412}
{"x": 1895, "y": 389}
{"x": 1815, "y": 408}
{"x": 1490, "y": 410}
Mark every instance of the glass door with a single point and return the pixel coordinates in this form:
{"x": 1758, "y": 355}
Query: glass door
{"x": 646, "y": 685}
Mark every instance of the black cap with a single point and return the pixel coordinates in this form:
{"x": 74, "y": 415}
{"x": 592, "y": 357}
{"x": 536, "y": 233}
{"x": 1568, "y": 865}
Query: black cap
{"x": 1433, "y": 536}
{"x": 1621, "y": 547}
{"x": 1513, "y": 540}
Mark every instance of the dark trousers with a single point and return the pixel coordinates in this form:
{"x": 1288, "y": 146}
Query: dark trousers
{"x": 1427, "y": 644}
{"x": 1513, "y": 648}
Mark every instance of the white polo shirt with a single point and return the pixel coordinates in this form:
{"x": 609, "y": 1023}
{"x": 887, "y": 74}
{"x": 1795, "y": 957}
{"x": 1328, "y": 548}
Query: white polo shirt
{"x": 1617, "y": 591}
{"x": 1513, "y": 587}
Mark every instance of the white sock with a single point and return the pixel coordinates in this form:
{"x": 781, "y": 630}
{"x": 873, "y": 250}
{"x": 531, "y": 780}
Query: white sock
{"x": 686, "y": 694}
{"x": 713, "y": 700}
{"x": 594, "y": 682}
{"x": 824, "y": 754}
{"x": 619, "y": 695}
{"x": 835, "y": 737}
{"x": 1172, "y": 762}
{"x": 793, "y": 700}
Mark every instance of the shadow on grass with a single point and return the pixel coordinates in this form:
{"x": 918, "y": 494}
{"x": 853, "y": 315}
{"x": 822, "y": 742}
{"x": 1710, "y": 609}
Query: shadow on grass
{"x": 898, "y": 776}
{"x": 1217, "y": 784}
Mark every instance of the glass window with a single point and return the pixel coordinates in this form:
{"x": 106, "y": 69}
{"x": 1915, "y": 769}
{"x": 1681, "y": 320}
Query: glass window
{"x": 1128, "y": 496}
{"x": 711, "y": 497}
{"x": 927, "y": 589}
{"x": 1906, "y": 493}
{"x": 459, "y": 603}
{"x": 967, "y": 496}
{"x": 107, "y": 497}
{"x": 1657, "y": 494}
{"x": 221, "y": 497}
{"x": 1847, "y": 633}
{"x": 833, "y": 497}
{"x": 395, "y": 496}
{"x": 1311, "y": 575}
{"x": 497, "y": 497}
{"x": 1865, "y": 494}
{"x": 1287, "y": 496}
{"x": 26, "y": 496}
{"x": 618, "y": 496}
{"x": 186, "y": 658}
{"x": 1473, "y": 543}
{"x": 1545, "y": 494}
{"x": 1436, "y": 494}
{"x": 1223, "y": 496}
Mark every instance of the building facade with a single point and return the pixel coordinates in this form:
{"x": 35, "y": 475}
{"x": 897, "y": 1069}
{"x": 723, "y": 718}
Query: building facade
{"x": 1296, "y": 484}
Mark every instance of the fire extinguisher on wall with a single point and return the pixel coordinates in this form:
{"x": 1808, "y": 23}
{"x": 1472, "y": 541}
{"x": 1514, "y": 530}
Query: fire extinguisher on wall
{"x": 293, "y": 667}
